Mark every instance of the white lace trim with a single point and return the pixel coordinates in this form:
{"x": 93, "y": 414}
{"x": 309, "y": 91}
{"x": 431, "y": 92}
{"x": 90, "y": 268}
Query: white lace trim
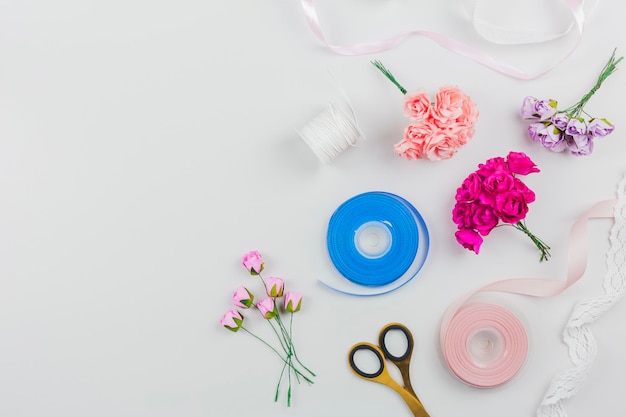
{"x": 577, "y": 333}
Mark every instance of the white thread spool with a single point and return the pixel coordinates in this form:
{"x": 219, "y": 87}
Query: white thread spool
{"x": 331, "y": 132}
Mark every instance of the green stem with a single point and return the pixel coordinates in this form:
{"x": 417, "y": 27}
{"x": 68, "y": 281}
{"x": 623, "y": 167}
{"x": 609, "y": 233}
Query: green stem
{"x": 389, "y": 75}
{"x": 609, "y": 68}
{"x": 541, "y": 245}
{"x": 277, "y": 353}
{"x": 289, "y": 340}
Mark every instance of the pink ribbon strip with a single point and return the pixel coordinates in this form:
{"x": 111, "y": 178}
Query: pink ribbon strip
{"x": 456, "y": 330}
{"x": 463, "y": 49}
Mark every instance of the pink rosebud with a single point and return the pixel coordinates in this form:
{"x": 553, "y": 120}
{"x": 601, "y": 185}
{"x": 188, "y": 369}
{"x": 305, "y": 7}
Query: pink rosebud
{"x": 274, "y": 286}
{"x": 253, "y": 262}
{"x": 511, "y": 206}
{"x": 417, "y": 105}
{"x": 293, "y": 301}
{"x": 520, "y": 163}
{"x": 469, "y": 239}
{"x": 267, "y": 307}
{"x": 243, "y": 297}
{"x": 232, "y": 320}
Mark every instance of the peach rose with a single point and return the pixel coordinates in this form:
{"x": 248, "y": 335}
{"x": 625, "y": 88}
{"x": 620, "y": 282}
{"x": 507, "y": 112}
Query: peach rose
{"x": 417, "y": 105}
{"x": 408, "y": 150}
{"x": 441, "y": 145}
{"x": 453, "y": 106}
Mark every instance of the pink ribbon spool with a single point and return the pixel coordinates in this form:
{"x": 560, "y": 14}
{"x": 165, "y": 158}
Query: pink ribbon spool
{"x": 485, "y": 345}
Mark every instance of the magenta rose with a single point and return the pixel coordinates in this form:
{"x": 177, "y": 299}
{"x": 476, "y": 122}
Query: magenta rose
{"x": 469, "y": 239}
{"x": 511, "y": 206}
{"x": 520, "y": 163}
{"x": 462, "y": 215}
{"x": 519, "y": 186}
{"x": 470, "y": 189}
{"x": 417, "y": 105}
{"x": 491, "y": 166}
{"x": 497, "y": 183}
{"x": 484, "y": 218}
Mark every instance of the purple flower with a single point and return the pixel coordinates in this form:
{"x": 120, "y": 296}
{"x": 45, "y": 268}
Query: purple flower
{"x": 599, "y": 128}
{"x": 528, "y": 109}
{"x": 552, "y": 138}
{"x": 576, "y": 127}
{"x": 560, "y": 120}
{"x": 580, "y": 145}
{"x": 534, "y": 130}
{"x": 545, "y": 109}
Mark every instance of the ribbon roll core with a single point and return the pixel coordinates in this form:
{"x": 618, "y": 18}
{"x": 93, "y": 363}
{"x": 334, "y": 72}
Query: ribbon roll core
{"x": 485, "y": 345}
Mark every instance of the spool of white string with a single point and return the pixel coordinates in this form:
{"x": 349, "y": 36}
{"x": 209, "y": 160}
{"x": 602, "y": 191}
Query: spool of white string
{"x": 331, "y": 132}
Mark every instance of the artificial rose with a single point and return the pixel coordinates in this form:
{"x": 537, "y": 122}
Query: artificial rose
{"x": 511, "y": 206}
{"x": 599, "y": 128}
{"x": 418, "y": 133}
{"x": 536, "y": 131}
{"x": 498, "y": 182}
{"x": 529, "y": 195}
{"x": 408, "y": 150}
{"x": 267, "y": 307}
{"x": 452, "y": 105}
{"x": 469, "y": 239}
{"x": 232, "y": 320}
{"x": 552, "y": 138}
{"x": 491, "y": 166}
{"x": 417, "y": 105}
{"x": 528, "y": 108}
{"x": 576, "y": 127}
{"x": 579, "y": 145}
{"x": 520, "y": 163}
{"x": 293, "y": 301}
{"x": 560, "y": 120}
{"x": 470, "y": 189}
{"x": 242, "y": 297}
{"x": 484, "y": 218}
{"x": 253, "y": 262}
{"x": 441, "y": 145}
{"x": 462, "y": 131}
{"x": 462, "y": 215}
{"x": 274, "y": 286}
{"x": 545, "y": 109}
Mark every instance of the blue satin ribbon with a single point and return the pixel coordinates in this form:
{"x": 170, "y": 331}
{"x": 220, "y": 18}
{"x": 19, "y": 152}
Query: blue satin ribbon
{"x": 374, "y": 239}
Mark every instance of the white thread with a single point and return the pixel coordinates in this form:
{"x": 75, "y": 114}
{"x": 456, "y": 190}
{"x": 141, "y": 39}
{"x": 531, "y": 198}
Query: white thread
{"x": 577, "y": 333}
{"x": 331, "y": 132}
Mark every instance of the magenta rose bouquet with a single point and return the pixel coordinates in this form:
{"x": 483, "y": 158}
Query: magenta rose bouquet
{"x": 438, "y": 128}
{"x": 560, "y": 130}
{"x": 276, "y": 301}
{"x": 494, "y": 195}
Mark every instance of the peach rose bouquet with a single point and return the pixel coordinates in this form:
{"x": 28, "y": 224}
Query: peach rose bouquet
{"x": 276, "y": 301}
{"x": 438, "y": 128}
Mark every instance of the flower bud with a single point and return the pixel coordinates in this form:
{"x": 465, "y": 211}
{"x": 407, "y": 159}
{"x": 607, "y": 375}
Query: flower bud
{"x": 293, "y": 301}
{"x": 253, "y": 262}
{"x": 267, "y": 308}
{"x": 242, "y": 297}
{"x": 274, "y": 286}
{"x": 232, "y": 320}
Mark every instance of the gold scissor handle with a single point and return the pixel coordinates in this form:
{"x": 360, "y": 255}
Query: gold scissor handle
{"x": 403, "y": 361}
{"x": 381, "y": 375}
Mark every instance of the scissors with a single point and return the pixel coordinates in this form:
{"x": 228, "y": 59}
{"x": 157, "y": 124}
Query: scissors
{"x": 382, "y": 375}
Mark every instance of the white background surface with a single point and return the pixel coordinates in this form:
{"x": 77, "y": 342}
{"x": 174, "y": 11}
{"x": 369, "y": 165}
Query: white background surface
{"x": 146, "y": 145}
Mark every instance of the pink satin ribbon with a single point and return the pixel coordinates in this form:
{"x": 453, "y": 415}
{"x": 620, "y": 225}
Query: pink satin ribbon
{"x": 575, "y": 6}
{"x": 456, "y": 329}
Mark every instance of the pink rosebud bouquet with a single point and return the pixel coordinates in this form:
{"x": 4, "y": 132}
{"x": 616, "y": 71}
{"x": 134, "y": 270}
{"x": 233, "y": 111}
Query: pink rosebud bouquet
{"x": 268, "y": 309}
{"x": 560, "y": 130}
{"x": 438, "y": 128}
{"x": 493, "y": 195}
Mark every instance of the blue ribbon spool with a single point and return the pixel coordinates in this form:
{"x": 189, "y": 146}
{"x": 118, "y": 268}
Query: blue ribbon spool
{"x": 378, "y": 240}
